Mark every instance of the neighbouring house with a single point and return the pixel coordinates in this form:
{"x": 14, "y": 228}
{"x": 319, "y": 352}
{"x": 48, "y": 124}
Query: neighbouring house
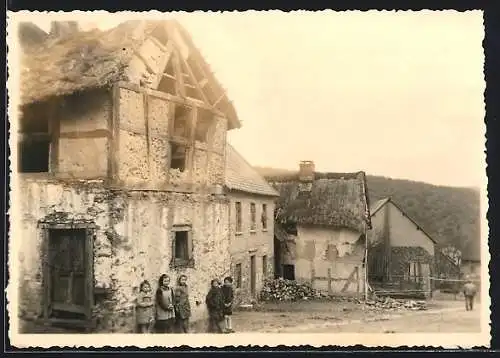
{"x": 401, "y": 255}
{"x": 121, "y": 167}
{"x": 321, "y": 223}
{"x": 251, "y": 213}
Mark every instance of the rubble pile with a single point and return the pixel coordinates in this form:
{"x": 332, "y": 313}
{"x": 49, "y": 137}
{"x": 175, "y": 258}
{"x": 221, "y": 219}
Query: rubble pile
{"x": 285, "y": 290}
{"x": 388, "y": 303}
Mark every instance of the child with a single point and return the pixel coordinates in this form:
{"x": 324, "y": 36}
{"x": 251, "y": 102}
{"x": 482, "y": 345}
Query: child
{"x": 228, "y": 296}
{"x": 144, "y": 307}
{"x": 469, "y": 293}
{"x": 165, "y": 313}
{"x": 182, "y": 305}
{"x": 215, "y": 306}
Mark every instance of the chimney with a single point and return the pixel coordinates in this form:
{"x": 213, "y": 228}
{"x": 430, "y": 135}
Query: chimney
{"x": 63, "y": 29}
{"x": 306, "y": 170}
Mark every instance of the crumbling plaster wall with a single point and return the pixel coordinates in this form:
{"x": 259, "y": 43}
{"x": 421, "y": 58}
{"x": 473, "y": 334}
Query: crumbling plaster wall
{"x": 245, "y": 244}
{"x": 320, "y": 249}
{"x": 132, "y": 242}
{"x": 143, "y": 157}
{"x": 83, "y": 134}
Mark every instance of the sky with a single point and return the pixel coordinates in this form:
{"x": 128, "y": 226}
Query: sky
{"x": 398, "y": 94}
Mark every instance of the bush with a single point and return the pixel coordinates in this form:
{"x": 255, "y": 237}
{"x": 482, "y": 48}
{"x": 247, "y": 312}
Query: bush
{"x": 285, "y": 290}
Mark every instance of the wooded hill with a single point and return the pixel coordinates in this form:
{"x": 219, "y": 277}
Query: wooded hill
{"x": 449, "y": 214}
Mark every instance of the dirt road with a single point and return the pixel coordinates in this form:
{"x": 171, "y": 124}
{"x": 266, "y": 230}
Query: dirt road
{"x": 451, "y": 317}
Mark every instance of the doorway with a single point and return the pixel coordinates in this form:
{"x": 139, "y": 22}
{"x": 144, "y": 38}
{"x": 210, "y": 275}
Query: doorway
{"x": 253, "y": 275}
{"x": 289, "y": 272}
{"x": 278, "y": 268}
{"x": 68, "y": 275}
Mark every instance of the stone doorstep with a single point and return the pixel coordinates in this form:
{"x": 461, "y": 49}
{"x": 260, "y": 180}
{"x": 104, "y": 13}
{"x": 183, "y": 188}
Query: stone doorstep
{"x": 357, "y": 321}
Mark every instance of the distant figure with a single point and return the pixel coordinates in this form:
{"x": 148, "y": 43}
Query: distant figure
{"x": 182, "y": 305}
{"x": 228, "y": 297}
{"x": 215, "y": 306}
{"x": 165, "y": 313}
{"x": 144, "y": 308}
{"x": 469, "y": 291}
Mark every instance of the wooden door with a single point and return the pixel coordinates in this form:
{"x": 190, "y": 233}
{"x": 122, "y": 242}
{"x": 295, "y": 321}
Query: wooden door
{"x": 69, "y": 272}
{"x": 253, "y": 275}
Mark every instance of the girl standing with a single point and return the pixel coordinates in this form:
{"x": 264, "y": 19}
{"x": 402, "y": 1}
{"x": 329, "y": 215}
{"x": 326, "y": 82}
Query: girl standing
{"x": 144, "y": 307}
{"x": 182, "y": 305}
{"x": 165, "y": 313}
{"x": 228, "y": 296}
{"x": 215, "y": 306}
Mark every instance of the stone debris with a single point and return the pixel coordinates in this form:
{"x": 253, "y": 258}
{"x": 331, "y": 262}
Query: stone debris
{"x": 388, "y": 303}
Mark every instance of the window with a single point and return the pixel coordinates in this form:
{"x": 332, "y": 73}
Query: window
{"x": 264, "y": 266}
{"x": 238, "y": 217}
{"x": 264, "y": 217}
{"x": 178, "y": 158}
{"x": 34, "y": 144}
{"x": 182, "y": 248}
{"x": 237, "y": 276}
{"x": 413, "y": 271}
{"x": 253, "y": 224}
{"x": 203, "y": 125}
{"x": 182, "y": 121}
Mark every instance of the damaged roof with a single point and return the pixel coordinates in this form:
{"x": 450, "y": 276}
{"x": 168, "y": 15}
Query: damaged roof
{"x": 94, "y": 59}
{"x": 241, "y": 176}
{"x": 332, "y": 199}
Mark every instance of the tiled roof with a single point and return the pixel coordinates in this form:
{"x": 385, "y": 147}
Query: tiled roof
{"x": 241, "y": 176}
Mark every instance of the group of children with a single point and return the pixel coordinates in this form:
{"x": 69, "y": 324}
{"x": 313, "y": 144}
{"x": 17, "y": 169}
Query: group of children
{"x": 169, "y": 310}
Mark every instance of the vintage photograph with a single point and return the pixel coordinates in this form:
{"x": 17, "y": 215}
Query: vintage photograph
{"x": 247, "y": 177}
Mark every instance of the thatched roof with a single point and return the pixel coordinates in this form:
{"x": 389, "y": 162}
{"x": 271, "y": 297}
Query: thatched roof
{"x": 333, "y": 199}
{"x": 95, "y": 59}
{"x": 242, "y": 177}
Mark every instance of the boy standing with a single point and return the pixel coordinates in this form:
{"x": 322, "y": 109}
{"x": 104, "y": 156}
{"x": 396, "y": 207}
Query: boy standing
{"x": 469, "y": 293}
{"x": 228, "y": 296}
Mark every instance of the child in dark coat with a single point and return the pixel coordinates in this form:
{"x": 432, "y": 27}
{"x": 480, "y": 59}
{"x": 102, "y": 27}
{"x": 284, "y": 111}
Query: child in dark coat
{"x": 215, "y": 306}
{"x": 182, "y": 305}
{"x": 228, "y": 297}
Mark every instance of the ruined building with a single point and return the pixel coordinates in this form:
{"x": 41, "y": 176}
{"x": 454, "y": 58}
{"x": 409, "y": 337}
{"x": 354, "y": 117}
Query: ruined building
{"x": 121, "y": 153}
{"x": 321, "y": 225}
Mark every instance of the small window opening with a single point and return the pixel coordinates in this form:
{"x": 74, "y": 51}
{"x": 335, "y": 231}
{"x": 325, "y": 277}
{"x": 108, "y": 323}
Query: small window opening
{"x": 34, "y": 144}
{"x": 182, "y": 121}
{"x": 204, "y": 125}
{"x": 238, "y": 217}
{"x": 264, "y": 216}
{"x": 178, "y": 157}
{"x": 181, "y": 245}
{"x": 253, "y": 223}
{"x": 237, "y": 276}
{"x": 33, "y": 156}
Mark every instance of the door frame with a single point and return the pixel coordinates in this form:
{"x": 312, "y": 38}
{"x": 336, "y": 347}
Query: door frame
{"x": 90, "y": 230}
{"x": 253, "y": 274}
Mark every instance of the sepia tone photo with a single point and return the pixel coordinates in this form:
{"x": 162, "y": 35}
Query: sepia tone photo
{"x": 247, "y": 178}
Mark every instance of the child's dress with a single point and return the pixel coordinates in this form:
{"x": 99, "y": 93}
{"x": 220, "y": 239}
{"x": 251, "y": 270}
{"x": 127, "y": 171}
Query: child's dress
{"x": 228, "y": 296}
{"x": 144, "y": 309}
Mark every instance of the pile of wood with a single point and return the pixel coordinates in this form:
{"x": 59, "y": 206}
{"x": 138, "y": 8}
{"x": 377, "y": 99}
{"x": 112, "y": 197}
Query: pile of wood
{"x": 388, "y": 303}
{"x": 285, "y": 290}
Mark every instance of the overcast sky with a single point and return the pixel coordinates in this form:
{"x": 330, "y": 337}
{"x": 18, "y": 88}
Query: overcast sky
{"x": 393, "y": 94}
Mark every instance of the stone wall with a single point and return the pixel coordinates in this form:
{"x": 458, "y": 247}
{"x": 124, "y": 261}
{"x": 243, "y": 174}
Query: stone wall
{"x": 249, "y": 243}
{"x": 132, "y": 242}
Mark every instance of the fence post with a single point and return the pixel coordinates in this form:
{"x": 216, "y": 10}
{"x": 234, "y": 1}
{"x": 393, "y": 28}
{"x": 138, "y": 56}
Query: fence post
{"x": 329, "y": 281}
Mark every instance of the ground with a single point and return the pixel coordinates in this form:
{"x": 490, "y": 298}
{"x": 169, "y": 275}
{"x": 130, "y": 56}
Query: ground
{"x": 324, "y": 317}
